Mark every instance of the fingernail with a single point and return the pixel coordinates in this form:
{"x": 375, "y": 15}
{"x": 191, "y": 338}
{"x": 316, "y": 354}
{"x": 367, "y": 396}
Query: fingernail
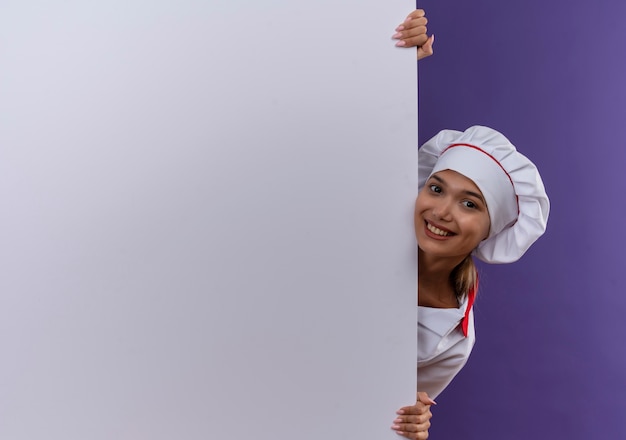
{"x": 400, "y": 28}
{"x": 400, "y": 44}
{"x": 433, "y": 38}
{"x": 395, "y": 426}
{"x": 408, "y": 19}
{"x": 400, "y": 411}
{"x": 396, "y": 35}
{"x": 398, "y": 420}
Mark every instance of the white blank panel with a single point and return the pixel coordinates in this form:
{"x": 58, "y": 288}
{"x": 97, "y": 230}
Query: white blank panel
{"x": 206, "y": 222}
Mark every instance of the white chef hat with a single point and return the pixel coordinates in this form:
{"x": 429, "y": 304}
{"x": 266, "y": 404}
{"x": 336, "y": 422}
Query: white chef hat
{"x": 514, "y": 192}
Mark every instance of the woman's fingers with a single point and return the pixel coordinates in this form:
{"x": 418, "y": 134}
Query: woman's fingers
{"x": 412, "y": 23}
{"x": 414, "y": 435}
{"x": 412, "y": 32}
{"x": 417, "y": 13}
{"x": 414, "y": 420}
{"x": 415, "y": 19}
{"x": 412, "y": 39}
{"x": 411, "y": 29}
{"x": 411, "y": 427}
{"x": 414, "y": 410}
{"x": 422, "y": 396}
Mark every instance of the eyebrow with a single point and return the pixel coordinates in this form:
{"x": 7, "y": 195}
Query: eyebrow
{"x": 471, "y": 193}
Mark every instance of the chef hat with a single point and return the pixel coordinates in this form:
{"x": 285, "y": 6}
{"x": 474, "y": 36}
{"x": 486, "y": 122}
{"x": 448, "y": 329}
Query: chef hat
{"x": 511, "y": 185}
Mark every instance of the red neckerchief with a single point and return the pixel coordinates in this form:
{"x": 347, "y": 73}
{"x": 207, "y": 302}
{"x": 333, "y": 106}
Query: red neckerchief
{"x": 471, "y": 295}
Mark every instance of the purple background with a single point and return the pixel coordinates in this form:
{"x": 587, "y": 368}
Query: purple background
{"x": 550, "y": 358}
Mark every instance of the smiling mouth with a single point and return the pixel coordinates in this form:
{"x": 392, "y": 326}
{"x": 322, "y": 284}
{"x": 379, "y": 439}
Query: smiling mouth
{"x": 435, "y": 230}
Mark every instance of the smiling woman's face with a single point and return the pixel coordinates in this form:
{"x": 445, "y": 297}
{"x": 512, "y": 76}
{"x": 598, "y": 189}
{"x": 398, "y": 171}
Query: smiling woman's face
{"x": 451, "y": 216}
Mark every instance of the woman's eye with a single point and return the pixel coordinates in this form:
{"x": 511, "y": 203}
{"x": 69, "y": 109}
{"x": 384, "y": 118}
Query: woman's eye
{"x": 469, "y": 204}
{"x": 435, "y": 188}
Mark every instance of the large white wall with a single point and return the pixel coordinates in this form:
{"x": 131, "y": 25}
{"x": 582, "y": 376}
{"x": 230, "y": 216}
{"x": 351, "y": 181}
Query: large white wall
{"x": 206, "y": 226}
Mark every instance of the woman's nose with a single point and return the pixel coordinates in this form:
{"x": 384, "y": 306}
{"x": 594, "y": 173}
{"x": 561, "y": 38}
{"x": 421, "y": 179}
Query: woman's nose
{"x": 442, "y": 210}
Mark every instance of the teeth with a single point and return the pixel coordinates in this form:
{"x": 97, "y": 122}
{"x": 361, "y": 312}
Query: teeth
{"x": 437, "y": 231}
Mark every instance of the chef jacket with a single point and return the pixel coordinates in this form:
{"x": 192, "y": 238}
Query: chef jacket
{"x": 443, "y": 345}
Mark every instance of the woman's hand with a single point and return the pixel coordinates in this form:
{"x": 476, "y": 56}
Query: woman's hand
{"x": 413, "y": 421}
{"x": 413, "y": 33}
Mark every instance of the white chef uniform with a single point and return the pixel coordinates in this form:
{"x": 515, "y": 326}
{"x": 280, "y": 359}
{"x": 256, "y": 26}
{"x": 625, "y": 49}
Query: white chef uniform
{"x": 445, "y": 340}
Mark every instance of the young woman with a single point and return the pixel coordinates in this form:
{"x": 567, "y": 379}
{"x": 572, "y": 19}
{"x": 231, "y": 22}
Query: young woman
{"x": 479, "y": 197}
